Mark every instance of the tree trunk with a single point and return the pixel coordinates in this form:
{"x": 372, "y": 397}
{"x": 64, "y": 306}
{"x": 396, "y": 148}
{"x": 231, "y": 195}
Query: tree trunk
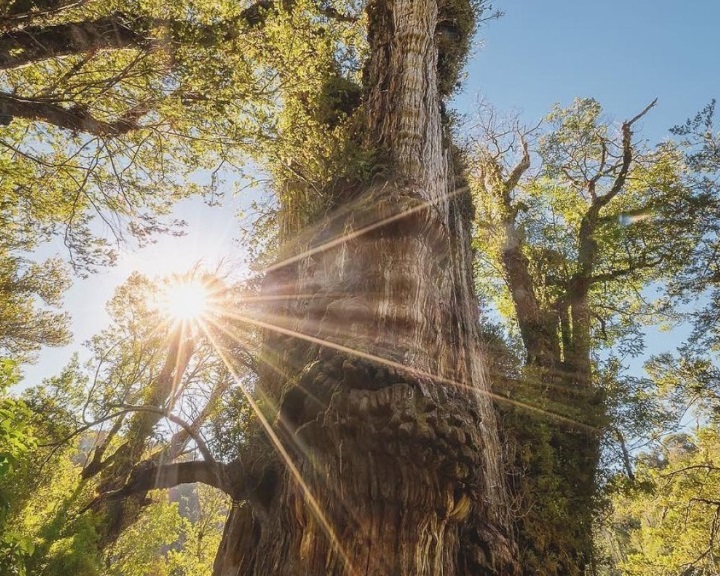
{"x": 374, "y": 387}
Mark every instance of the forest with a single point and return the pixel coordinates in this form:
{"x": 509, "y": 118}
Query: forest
{"x": 438, "y": 354}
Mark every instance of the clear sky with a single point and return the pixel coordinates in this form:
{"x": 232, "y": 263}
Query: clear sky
{"x": 622, "y": 53}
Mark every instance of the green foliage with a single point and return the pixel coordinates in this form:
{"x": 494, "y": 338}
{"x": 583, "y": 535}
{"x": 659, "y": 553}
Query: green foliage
{"x": 164, "y": 541}
{"x": 117, "y": 132}
{"x": 48, "y": 497}
{"x": 315, "y": 152}
{"x": 631, "y": 236}
{"x": 25, "y": 324}
{"x": 16, "y": 441}
{"x": 568, "y": 252}
{"x": 15, "y": 433}
{"x": 139, "y": 551}
{"x": 699, "y": 279}
{"x": 668, "y": 524}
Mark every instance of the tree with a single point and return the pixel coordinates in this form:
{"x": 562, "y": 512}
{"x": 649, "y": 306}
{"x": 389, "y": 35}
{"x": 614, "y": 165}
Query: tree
{"x": 144, "y": 396}
{"x": 700, "y": 278}
{"x": 105, "y": 123}
{"x": 25, "y": 326}
{"x": 16, "y": 439}
{"x": 667, "y": 520}
{"x": 374, "y": 448}
{"x": 568, "y": 251}
{"x": 372, "y": 392}
{"x": 148, "y": 370}
{"x": 107, "y": 104}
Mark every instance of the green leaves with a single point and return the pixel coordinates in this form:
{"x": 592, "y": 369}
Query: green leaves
{"x": 670, "y": 528}
{"x": 16, "y": 440}
{"x": 16, "y": 437}
{"x": 25, "y": 324}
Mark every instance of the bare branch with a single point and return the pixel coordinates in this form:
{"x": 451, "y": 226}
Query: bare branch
{"x": 522, "y": 166}
{"x": 202, "y": 446}
{"x": 627, "y": 157}
{"x": 708, "y": 467}
{"x": 647, "y": 108}
{"x": 148, "y": 476}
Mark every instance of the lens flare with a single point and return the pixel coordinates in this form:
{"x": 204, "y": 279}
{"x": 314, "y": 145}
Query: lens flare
{"x": 187, "y": 300}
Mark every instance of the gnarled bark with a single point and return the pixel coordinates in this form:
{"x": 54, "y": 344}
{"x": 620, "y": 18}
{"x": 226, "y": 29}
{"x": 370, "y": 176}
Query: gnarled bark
{"x": 374, "y": 388}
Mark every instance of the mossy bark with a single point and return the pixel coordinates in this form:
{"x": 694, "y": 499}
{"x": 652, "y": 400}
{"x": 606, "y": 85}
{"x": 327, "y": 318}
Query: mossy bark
{"x": 374, "y": 387}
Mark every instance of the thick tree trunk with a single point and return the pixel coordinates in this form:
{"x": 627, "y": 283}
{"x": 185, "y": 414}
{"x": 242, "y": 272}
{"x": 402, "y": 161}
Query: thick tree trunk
{"x": 558, "y": 479}
{"x": 375, "y": 388}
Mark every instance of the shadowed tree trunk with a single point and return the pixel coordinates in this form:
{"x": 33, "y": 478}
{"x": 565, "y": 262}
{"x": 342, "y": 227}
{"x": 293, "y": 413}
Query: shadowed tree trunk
{"x": 387, "y": 455}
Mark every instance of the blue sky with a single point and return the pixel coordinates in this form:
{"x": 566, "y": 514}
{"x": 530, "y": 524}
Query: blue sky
{"x": 622, "y": 53}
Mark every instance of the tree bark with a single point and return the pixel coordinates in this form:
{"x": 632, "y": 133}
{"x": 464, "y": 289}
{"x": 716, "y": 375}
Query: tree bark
{"x": 374, "y": 388}
{"x": 31, "y": 44}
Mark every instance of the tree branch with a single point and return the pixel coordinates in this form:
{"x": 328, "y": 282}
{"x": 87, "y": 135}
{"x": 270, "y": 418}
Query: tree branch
{"x": 619, "y": 273}
{"x": 625, "y": 454}
{"x": 148, "y": 476}
{"x": 77, "y": 119}
{"x": 627, "y": 156}
{"x": 97, "y": 464}
{"x": 522, "y": 166}
{"x": 709, "y": 467}
{"x": 333, "y": 14}
{"x": 117, "y": 31}
{"x": 21, "y": 13}
{"x": 201, "y": 445}
{"x": 35, "y": 43}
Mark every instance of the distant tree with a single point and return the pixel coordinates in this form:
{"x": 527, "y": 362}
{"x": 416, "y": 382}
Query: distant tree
{"x": 569, "y": 250}
{"x": 669, "y": 521}
{"x": 149, "y": 370}
{"x": 666, "y": 521}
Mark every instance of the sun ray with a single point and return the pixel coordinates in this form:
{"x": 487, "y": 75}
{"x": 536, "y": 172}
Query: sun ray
{"x": 362, "y": 231}
{"x": 312, "y": 501}
{"x": 408, "y": 369}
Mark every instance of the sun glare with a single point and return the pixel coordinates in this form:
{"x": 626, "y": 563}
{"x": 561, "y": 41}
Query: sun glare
{"x": 187, "y": 300}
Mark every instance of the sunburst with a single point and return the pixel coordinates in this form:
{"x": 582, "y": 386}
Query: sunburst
{"x": 186, "y": 300}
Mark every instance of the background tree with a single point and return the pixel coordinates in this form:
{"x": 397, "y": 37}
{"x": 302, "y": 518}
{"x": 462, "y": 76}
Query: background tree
{"x": 16, "y": 440}
{"x": 569, "y": 251}
{"x": 700, "y": 278}
{"x": 666, "y": 522}
{"x": 145, "y": 397}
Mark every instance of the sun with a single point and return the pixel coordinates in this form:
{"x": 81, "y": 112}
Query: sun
{"x": 187, "y": 300}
